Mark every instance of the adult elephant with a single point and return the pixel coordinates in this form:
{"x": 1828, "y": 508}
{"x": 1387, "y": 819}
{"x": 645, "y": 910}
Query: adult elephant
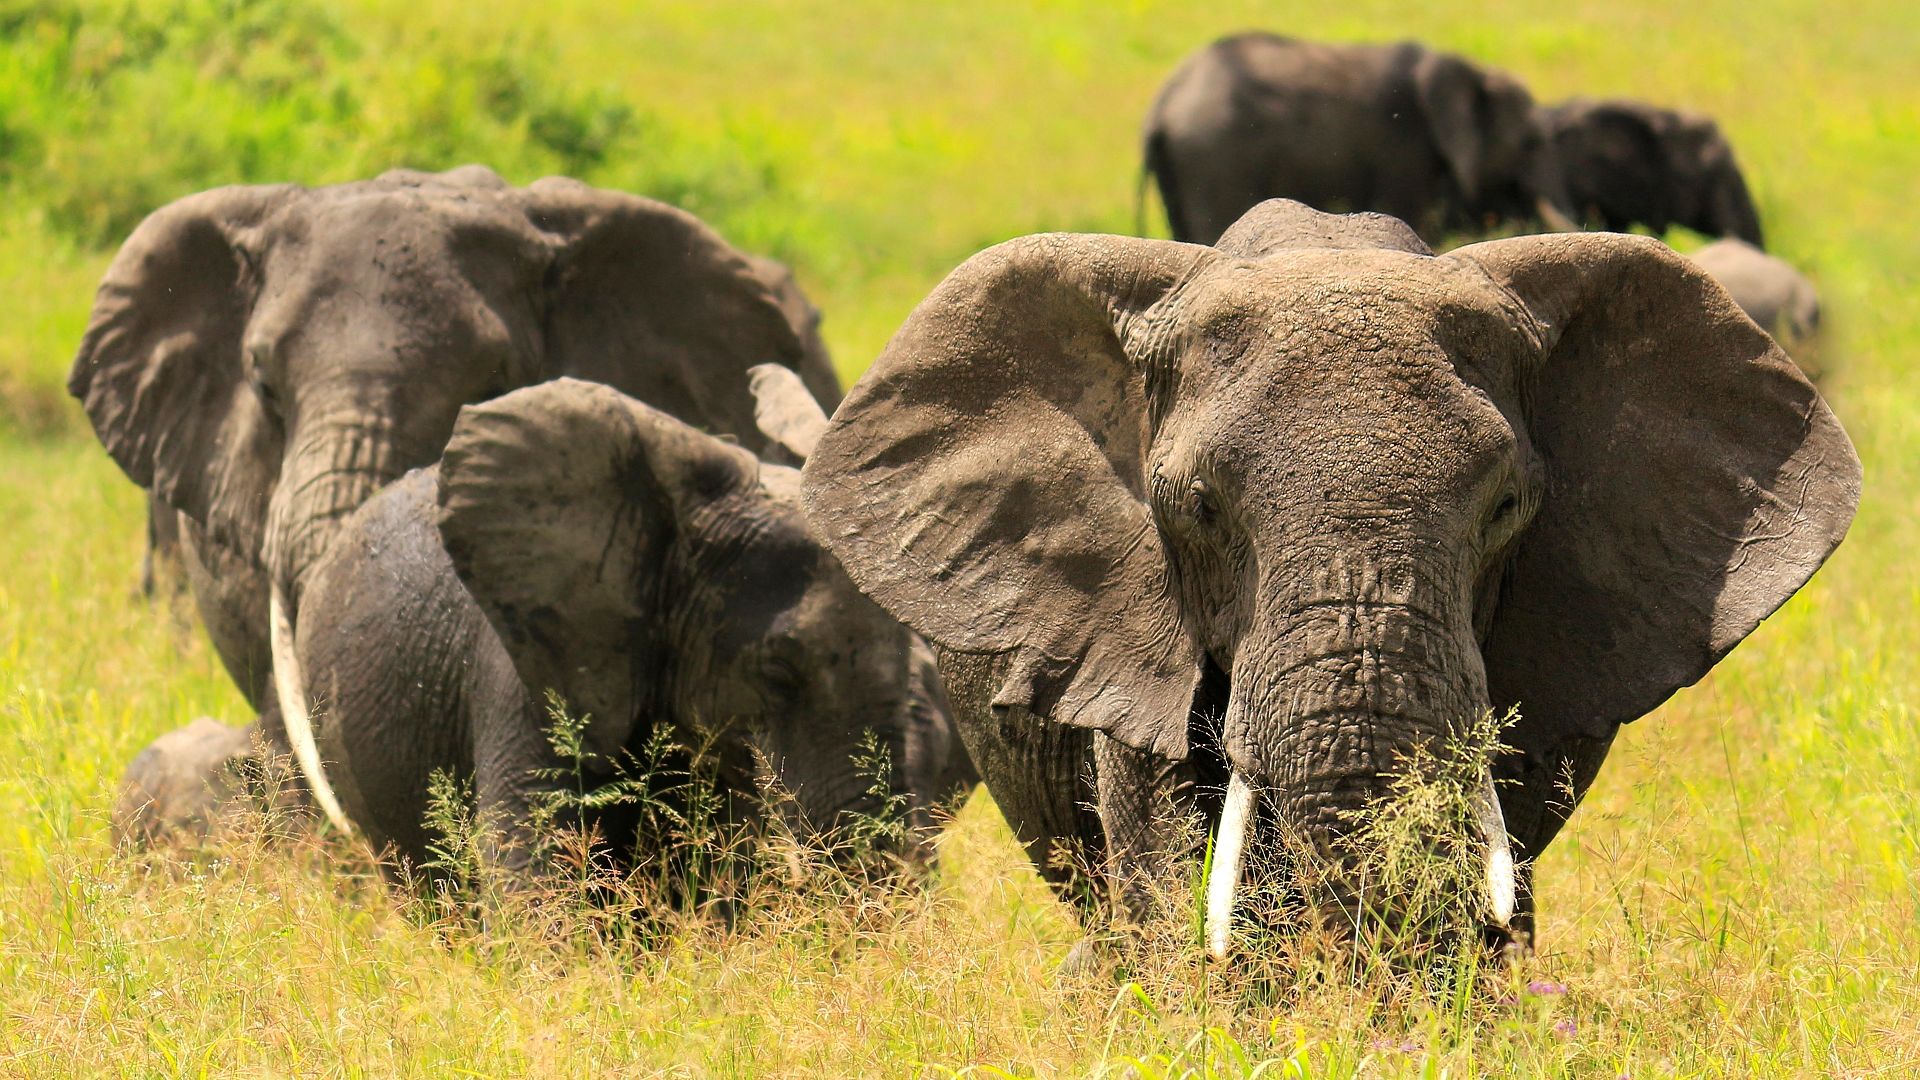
{"x": 1231, "y": 532}
{"x": 1629, "y": 163}
{"x": 1428, "y": 137}
{"x": 265, "y": 358}
{"x": 663, "y": 581}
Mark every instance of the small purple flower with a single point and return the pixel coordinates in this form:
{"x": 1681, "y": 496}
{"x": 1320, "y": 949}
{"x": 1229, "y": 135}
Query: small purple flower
{"x": 1566, "y": 1028}
{"x": 1546, "y": 987}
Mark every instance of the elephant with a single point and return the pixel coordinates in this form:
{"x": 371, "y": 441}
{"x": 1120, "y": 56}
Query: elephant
{"x": 1426, "y": 136}
{"x": 161, "y": 557}
{"x": 816, "y": 363}
{"x": 264, "y": 358}
{"x": 1630, "y": 163}
{"x": 1224, "y": 535}
{"x": 661, "y": 579}
{"x": 1771, "y": 292}
{"x": 178, "y": 786}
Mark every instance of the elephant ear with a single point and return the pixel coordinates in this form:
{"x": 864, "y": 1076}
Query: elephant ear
{"x": 559, "y": 504}
{"x": 1452, "y": 96}
{"x": 786, "y": 411}
{"x": 1280, "y": 224}
{"x": 986, "y": 480}
{"x": 1694, "y": 480}
{"x": 647, "y": 298}
{"x": 160, "y": 369}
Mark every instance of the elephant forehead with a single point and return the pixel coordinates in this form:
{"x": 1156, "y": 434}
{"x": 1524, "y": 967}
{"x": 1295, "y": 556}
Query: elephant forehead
{"x": 1312, "y": 318}
{"x": 1323, "y": 358}
{"x": 415, "y": 229}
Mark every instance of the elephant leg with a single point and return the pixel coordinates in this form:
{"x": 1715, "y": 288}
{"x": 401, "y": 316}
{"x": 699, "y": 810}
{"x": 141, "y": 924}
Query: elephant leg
{"x": 1040, "y": 775}
{"x": 1541, "y": 781}
{"x": 516, "y": 777}
{"x": 1154, "y": 836}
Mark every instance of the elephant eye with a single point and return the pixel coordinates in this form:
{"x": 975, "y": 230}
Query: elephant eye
{"x": 1183, "y": 503}
{"x": 782, "y": 676}
{"x": 257, "y": 379}
{"x": 1199, "y": 501}
{"x": 1505, "y": 512}
{"x": 263, "y": 390}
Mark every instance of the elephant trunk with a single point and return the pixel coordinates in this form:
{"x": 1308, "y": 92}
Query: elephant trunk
{"x": 1732, "y": 212}
{"x": 331, "y": 469}
{"x": 1547, "y": 185}
{"x": 1324, "y": 720}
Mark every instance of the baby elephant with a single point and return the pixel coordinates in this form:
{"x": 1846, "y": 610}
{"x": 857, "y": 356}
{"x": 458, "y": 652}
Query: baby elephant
{"x": 1771, "y": 292}
{"x": 661, "y": 580}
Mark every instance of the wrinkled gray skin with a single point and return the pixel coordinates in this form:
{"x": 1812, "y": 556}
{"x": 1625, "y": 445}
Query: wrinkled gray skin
{"x": 263, "y": 359}
{"x": 1169, "y": 511}
{"x": 1772, "y": 293}
{"x": 1425, "y": 136}
{"x": 658, "y": 577}
{"x": 1628, "y": 163}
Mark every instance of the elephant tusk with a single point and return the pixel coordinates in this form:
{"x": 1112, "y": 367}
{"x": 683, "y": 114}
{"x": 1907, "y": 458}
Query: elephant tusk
{"x": 1229, "y": 845}
{"x": 1552, "y": 217}
{"x": 290, "y": 685}
{"x": 1499, "y": 865}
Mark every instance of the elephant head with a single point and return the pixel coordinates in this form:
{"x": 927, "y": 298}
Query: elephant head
{"x": 1493, "y": 139}
{"x": 264, "y": 358}
{"x": 656, "y": 575}
{"x": 1371, "y": 492}
{"x": 1629, "y": 163}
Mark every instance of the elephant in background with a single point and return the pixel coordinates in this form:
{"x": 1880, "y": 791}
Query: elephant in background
{"x": 816, "y": 363}
{"x": 160, "y": 561}
{"x": 1629, "y": 163}
{"x": 265, "y": 358}
{"x": 1428, "y": 137}
{"x": 1771, "y": 292}
{"x": 661, "y": 579}
{"x": 1224, "y": 535}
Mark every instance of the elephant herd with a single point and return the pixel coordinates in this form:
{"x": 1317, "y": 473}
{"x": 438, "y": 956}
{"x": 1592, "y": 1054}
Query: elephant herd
{"x": 1444, "y": 145}
{"x": 1160, "y": 539}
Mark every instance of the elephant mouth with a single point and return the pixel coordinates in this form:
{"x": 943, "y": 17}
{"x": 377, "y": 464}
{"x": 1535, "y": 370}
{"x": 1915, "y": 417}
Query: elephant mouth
{"x": 1239, "y": 830}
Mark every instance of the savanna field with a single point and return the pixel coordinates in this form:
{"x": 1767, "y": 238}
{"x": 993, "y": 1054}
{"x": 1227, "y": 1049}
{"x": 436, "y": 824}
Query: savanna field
{"x": 1739, "y": 895}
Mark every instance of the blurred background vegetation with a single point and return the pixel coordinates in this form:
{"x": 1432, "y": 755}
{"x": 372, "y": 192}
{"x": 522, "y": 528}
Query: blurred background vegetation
{"x": 1738, "y": 896}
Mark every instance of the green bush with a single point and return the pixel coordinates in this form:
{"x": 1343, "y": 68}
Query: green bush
{"x": 109, "y": 110}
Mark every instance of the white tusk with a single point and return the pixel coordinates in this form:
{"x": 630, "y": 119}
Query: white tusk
{"x": 1500, "y": 873}
{"x": 1229, "y": 845}
{"x": 1552, "y": 218}
{"x": 290, "y": 685}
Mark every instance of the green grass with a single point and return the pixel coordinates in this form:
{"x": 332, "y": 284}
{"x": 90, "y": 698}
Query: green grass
{"x": 1737, "y": 897}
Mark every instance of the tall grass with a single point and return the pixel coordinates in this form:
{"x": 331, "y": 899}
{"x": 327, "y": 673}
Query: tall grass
{"x": 1737, "y": 896}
